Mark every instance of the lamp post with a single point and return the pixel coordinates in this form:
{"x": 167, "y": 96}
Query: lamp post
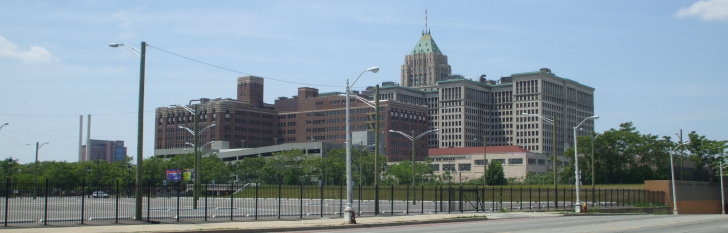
{"x": 349, "y": 186}
{"x": 553, "y": 151}
{"x": 140, "y": 125}
{"x": 196, "y": 131}
{"x": 413, "y": 138}
{"x": 3, "y": 125}
{"x": 722, "y": 195}
{"x": 672, "y": 174}
{"x": 38, "y": 145}
{"x": 577, "y": 184}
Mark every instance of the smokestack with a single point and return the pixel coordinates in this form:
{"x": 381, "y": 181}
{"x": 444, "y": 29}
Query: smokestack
{"x": 88, "y": 139}
{"x": 80, "y": 138}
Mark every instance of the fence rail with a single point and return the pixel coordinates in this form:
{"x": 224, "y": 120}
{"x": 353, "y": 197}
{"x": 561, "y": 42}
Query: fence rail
{"x": 92, "y": 203}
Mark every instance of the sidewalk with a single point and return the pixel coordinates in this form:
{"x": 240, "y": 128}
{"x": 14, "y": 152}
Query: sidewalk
{"x": 257, "y": 226}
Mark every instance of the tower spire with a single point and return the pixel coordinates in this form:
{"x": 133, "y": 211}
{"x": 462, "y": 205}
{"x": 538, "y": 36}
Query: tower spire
{"x": 427, "y": 30}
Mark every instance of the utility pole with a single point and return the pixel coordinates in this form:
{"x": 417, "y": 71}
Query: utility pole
{"x": 376, "y": 150}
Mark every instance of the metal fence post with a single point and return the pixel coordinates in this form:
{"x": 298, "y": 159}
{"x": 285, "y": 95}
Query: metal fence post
{"x": 548, "y": 197}
{"x": 149, "y": 200}
{"x": 256, "y": 200}
{"x": 529, "y": 198}
{"x": 83, "y": 199}
{"x": 7, "y": 202}
{"x": 391, "y": 200}
{"x": 359, "y": 199}
{"x": 321, "y": 198}
{"x": 539, "y": 198}
{"x": 116, "y": 208}
{"x": 520, "y": 198}
{"x": 510, "y": 199}
{"x": 178, "y": 197}
{"x": 422, "y": 199}
{"x": 376, "y": 198}
{"x": 279, "y": 200}
{"x": 449, "y": 199}
{"x": 206, "y": 193}
{"x": 45, "y": 205}
{"x": 460, "y": 199}
{"x": 341, "y": 200}
{"x": 300, "y": 201}
{"x": 406, "y": 202}
{"x": 232, "y": 203}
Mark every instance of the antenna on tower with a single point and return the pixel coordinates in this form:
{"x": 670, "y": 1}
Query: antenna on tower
{"x": 427, "y": 30}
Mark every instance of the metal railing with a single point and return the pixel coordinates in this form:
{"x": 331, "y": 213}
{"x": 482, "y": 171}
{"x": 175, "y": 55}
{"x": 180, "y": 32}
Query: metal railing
{"x": 92, "y": 203}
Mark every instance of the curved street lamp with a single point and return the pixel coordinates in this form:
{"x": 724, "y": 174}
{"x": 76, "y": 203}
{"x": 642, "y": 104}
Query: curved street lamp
{"x": 577, "y": 184}
{"x": 349, "y": 185}
{"x": 195, "y": 131}
{"x": 413, "y": 139}
{"x": 140, "y": 125}
{"x": 552, "y": 122}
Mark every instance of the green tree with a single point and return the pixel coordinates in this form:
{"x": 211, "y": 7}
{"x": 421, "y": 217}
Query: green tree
{"x": 496, "y": 175}
{"x": 8, "y": 168}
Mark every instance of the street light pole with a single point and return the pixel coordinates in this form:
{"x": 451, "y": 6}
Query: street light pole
{"x": 348, "y": 212}
{"x": 577, "y": 183}
{"x": 413, "y": 139}
{"x": 672, "y": 174}
{"x": 722, "y": 195}
{"x": 38, "y": 145}
{"x": 195, "y": 131}
{"x": 140, "y": 125}
{"x": 553, "y": 150}
{"x": 3, "y": 125}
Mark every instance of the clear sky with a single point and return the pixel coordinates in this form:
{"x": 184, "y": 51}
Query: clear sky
{"x": 660, "y": 64}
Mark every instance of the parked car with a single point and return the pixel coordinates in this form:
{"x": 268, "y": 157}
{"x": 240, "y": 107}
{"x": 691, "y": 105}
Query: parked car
{"x": 100, "y": 194}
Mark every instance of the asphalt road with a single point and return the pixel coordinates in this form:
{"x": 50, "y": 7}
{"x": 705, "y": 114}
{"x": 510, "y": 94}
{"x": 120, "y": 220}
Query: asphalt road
{"x": 614, "y": 223}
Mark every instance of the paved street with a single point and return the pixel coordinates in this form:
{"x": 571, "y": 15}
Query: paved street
{"x": 616, "y": 223}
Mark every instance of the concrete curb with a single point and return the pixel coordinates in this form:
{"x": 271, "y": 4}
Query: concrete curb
{"x": 352, "y": 226}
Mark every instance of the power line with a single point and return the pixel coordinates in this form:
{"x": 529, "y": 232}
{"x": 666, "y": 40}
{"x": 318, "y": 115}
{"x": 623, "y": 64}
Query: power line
{"x": 236, "y": 71}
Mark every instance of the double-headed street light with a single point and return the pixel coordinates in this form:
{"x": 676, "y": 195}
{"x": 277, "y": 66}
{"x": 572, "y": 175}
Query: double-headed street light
{"x": 577, "y": 208}
{"x": 672, "y": 174}
{"x": 349, "y": 186}
{"x": 39, "y": 145}
{"x": 413, "y": 138}
{"x": 195, "y": 131}
{"x": 140, "y": 125}
{"x": 553, "y": 150}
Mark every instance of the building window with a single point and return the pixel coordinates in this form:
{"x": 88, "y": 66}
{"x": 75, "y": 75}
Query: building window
{"x": 435, "y": 167}
{"x": 479, "y": 162}
{"x": 515, "y": 161}
{"x": 501, "y": 161}
{"x": 464, "y": 167}
{"x": 448, "y": 167}
{"x": 541, "y": 162}
{"x": 531, "y": 161}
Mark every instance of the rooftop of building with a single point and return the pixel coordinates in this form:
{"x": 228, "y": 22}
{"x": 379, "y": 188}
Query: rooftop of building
{"x": 426, "y": 45}
{"x": 475, "y": 150}
{"x": 547, "y": 72}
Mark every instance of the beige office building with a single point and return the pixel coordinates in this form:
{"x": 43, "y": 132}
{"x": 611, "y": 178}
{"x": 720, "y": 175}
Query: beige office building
{"x": 472, "y": 113}
{"x": 467, "y": 163}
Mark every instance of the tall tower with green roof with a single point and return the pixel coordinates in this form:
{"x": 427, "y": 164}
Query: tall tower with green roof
{"x": 425, "y": 65}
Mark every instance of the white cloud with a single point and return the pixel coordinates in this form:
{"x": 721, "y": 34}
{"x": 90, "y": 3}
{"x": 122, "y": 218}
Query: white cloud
{"x": 706, "y": 10}
{"x": 35, "y": 54}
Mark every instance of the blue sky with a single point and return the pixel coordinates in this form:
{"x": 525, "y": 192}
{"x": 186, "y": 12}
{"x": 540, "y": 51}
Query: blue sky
{"x": 659, "y": 64}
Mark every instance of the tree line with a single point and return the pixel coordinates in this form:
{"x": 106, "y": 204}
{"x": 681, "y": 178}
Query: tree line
{"x": 622, "y": 155}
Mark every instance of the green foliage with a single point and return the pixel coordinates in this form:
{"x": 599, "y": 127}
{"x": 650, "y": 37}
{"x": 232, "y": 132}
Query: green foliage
{"x": 496, "y": 175}
{"x": 401, "y": 173}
